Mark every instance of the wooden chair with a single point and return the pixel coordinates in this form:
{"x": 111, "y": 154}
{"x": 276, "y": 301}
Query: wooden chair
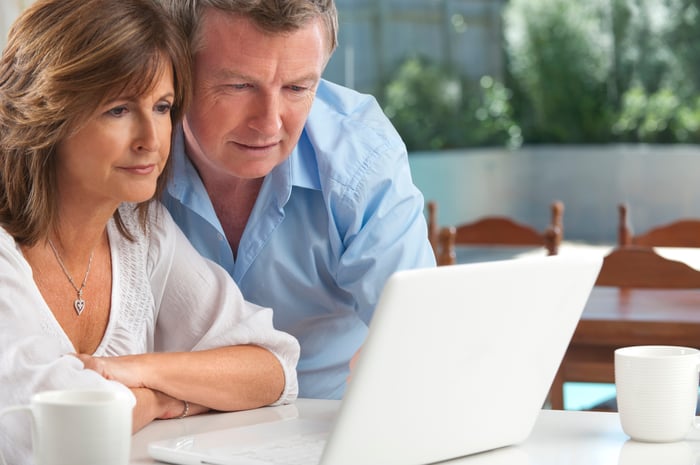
{"x": 625, "y": 268}
{"x": 441, "y": 239}
{"x": 493, "y": 231}
{"x": 433, "y": 228}
{"x": 680, "y": 233}
{"x": 446, "y": 254}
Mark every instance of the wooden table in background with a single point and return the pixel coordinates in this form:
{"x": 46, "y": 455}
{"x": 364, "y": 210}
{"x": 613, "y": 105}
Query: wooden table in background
{"x": 618, "y": 317}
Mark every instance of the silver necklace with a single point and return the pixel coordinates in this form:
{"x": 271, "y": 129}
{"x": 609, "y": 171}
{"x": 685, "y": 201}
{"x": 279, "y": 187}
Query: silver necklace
{"x": 78, "y": 303}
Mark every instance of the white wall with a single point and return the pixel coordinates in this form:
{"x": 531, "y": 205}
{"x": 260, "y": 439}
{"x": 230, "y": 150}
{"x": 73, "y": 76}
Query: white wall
{"x": 660, "y": 183}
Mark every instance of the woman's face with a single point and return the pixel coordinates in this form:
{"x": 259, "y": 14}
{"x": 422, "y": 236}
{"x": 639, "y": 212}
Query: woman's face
{"x": 119, "y": 153}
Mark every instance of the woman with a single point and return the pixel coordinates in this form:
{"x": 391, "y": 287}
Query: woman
{"x": 99, "y": 287}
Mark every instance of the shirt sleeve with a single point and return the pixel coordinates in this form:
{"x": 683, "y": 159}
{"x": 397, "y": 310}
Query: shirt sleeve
{"x": 382, "y": 227}
{"x": 200, "y": 307}
{"x": 375, "y": 208}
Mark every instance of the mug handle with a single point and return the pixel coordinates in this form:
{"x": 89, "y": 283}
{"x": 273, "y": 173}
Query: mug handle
{"x": 7, "y": 410}
{"x": 696, "y": 419}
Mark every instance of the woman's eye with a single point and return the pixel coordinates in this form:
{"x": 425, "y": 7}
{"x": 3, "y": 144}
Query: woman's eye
{"x": 118, "y": 111}
{"x": 164, "y": 107}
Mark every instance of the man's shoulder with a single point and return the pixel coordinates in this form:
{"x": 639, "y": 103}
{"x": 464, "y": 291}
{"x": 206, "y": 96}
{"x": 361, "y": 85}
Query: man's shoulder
{"x": 340, "y": 98}
{"x": 338, "y": 104}
{"x": 350, "y": 127}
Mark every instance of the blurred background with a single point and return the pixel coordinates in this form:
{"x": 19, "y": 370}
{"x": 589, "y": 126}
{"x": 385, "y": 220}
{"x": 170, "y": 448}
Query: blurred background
{"x": 506, "y": 105}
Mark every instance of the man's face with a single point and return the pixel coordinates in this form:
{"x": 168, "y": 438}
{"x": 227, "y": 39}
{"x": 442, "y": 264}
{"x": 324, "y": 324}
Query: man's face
{"x": 252, "y": 94}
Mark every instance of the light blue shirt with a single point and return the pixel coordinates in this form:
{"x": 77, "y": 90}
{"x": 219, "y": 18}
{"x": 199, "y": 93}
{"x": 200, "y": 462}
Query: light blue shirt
{"x": 330, "y": 225}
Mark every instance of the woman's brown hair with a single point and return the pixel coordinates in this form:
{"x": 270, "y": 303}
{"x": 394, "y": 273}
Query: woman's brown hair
{"x": 63, "y": 59}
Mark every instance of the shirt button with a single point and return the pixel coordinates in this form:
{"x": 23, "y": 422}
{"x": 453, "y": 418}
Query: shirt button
{"x": 220, "y": 237}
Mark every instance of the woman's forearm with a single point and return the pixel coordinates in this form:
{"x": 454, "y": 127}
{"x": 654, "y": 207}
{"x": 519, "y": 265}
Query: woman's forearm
{"x": 227, "y": 378}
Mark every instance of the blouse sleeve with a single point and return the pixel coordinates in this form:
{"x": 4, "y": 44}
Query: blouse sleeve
{"x": 35, "y": 351}
{"x": 199, "y": 306}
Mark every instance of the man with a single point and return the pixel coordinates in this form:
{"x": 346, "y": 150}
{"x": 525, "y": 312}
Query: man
{"x": 300, "y": 188}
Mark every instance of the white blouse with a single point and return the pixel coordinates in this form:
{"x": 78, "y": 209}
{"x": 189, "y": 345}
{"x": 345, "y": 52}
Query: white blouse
{"x": 165, "y": 297}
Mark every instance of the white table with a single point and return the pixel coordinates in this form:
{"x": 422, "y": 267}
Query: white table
{"x": 559, "y": 438}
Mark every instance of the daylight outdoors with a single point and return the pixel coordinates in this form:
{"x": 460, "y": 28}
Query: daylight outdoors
{"x": 511, "y": 104}
{"x": 571, "y": 71}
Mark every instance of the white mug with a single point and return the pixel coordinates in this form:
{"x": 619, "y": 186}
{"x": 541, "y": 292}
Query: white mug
{"x": 661, "y": 453}
{"x": 657, "y": 391}
{"x": 79, "y": 427}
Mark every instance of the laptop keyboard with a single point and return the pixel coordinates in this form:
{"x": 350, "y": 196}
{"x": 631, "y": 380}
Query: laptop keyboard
{"x": 303, "y": 449}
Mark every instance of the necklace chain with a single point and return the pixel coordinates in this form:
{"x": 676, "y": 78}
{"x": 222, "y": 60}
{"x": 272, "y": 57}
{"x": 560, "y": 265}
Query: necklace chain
{"x": 78, "y": 303}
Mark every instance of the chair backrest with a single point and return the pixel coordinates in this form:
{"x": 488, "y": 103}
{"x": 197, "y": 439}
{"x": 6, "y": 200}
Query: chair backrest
{"x": 642, "y": 267}
{"x": 681, "y": 233}
{"x": 492, "y": 231}
{"x": 445, "y": 253}
{"x": 433, "y": 228}
{"x": 442, "y": 240}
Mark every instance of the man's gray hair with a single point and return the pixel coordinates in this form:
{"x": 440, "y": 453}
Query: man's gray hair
{"x": 273, "y": 16}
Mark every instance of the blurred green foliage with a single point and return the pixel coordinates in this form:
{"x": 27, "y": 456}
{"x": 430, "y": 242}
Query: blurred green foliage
{"x": 434, "y": 108}
{"x": 558, "y": 64}
{"x": 578, "y": 71}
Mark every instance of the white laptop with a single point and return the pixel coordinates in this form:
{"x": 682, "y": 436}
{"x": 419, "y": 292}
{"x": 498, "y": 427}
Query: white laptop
{"x": 458, "y": 360}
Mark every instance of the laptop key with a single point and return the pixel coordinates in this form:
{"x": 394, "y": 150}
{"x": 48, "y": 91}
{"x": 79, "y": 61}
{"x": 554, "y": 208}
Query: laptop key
{"x": 296, "y": 450}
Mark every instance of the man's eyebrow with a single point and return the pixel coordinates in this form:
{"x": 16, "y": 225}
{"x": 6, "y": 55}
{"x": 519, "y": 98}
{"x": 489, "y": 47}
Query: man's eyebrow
{"x": 313, "y": 77}
{"x": 225, "y": 74}
{"x": 228, "y": 74}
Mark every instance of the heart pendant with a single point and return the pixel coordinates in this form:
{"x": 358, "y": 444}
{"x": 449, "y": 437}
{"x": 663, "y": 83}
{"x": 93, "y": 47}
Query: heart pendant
{"x": 79, "y": 305}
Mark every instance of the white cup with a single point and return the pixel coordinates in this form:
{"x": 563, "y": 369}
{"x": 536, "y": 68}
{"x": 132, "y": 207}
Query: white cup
{"x": 657, "y": 391}
{"x": 79, "y": 427}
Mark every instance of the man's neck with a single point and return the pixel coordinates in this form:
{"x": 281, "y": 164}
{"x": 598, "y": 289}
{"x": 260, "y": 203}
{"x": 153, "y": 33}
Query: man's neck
{"x": 233, "y": 199}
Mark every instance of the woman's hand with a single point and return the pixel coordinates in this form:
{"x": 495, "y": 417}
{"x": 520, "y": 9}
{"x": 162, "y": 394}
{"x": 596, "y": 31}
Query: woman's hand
{"x": 151, "y": 405}
{"x": 353, "y": 362}
{"x": 125, "y": 369}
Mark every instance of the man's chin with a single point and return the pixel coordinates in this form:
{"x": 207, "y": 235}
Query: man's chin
{"x": 253, "y": 169}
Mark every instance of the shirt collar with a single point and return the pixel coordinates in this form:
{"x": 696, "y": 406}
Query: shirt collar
{"x": 186, "y": 185}
{"x": 304, "y": 168}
